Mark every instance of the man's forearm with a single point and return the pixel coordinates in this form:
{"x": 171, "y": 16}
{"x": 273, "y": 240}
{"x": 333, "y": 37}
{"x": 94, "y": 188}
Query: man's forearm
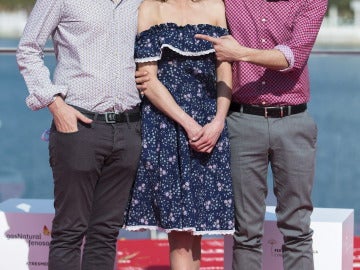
{"x": 272, "y": 59}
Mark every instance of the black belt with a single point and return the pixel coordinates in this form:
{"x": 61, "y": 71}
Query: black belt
{"x": 112, "y": 117}
{"x": 274, "y": 111}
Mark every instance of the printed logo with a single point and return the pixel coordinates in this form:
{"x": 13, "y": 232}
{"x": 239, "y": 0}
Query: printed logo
{"x": 32, "y": 239}
{"x": 275, "y": 250}
{"x": 46, "y": 231}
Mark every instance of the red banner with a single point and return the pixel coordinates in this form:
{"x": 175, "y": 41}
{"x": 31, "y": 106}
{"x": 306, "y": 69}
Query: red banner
{"x": 154, "y": 254}
{"x": 357, "y": 253}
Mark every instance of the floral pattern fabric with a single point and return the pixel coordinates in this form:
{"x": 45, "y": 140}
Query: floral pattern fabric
{"x": 177, "y": 188}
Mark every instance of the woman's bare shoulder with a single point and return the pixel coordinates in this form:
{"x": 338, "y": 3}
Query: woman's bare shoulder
{"x": 148, "y": 14}
{"x": 216, "y": 10}
{"x": 149, "y": 4}
{"x": 218, "y": 5}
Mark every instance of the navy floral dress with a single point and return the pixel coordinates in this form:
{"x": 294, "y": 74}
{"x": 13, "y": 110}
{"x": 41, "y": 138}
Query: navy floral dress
{"x": 176, "y": 187}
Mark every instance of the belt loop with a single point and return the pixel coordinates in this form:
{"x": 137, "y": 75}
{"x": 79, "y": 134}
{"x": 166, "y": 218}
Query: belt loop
{"x": 127, "y": 119}
{"x": 289, "y": 110}
{"x": 266, "y": 112}
{"x": 281, "y": 111}
{"x": 95, "y": 116}
{"x": 241, "y": 108}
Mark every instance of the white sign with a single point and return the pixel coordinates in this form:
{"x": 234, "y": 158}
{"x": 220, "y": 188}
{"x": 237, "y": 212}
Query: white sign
{"x": 25, "y": 234}
{"x": 333, "y": 240}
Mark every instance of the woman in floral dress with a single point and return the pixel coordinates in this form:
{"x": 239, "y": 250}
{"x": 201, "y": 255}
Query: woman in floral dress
{"x": 183, "y": 184}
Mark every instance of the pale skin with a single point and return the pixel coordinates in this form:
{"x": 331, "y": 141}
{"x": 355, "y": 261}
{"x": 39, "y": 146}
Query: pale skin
{"x": 66, "y": 117}
{"x": 185, "y": 248}
{"x": 228, "y": 49}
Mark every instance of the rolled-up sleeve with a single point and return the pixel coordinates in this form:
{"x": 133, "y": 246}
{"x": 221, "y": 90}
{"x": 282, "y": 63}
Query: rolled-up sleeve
{"x": 305, "y": 30}
{"x": 41, "y": 24}
{"x": 289, "y": 56}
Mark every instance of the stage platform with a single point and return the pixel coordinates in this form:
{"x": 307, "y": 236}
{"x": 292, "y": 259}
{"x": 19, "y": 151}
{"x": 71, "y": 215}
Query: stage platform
{"x": 25, "y": 228}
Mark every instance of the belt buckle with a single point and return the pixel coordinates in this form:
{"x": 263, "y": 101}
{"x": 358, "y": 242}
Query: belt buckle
{"x": 110, "y": 117}
{"x": 266, "y": 113}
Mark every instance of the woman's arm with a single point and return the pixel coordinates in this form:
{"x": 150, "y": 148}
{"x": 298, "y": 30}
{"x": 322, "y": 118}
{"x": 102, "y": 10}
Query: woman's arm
{"x": 205, "y": 140}
{"x": 212, "y": 131}
{"x": 155, "y": 91}
{"x": 160, "y": 97}
{"x": 224, "y": 90}
{"x": 223, "y": 76}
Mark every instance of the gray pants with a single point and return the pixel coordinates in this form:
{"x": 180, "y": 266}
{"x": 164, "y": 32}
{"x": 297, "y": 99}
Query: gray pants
{"x": 93, "y": 171}
{"x": 288, "y": 145}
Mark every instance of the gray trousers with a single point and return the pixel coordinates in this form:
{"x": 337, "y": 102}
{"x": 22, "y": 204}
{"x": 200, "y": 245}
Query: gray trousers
{"x": 93, "y": 172}
{"x": 288, "y": 145}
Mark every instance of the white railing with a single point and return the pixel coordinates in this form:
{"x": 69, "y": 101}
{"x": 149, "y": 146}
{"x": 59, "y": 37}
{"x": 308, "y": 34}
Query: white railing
{"x": 12, "y": 50}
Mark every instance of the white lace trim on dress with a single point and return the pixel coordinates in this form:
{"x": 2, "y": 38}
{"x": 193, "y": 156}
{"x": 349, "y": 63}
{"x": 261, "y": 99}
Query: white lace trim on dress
{"x": 192, "y": 230}
{"x": 181, "y": 52}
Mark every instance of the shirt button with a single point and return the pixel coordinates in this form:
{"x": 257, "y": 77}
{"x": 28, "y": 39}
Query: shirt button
{"x": 263, "y": 20}
{"x": 263, "y": 82}
{"x": 263, "y": 40}
{"x": 263, "y": 103}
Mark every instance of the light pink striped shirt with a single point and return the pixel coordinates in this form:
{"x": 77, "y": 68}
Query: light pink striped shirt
{"x": 290, "y": 26}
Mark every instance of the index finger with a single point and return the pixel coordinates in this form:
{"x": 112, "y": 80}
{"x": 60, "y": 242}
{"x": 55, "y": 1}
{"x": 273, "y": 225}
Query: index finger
{"x": 83, "y": 118}
{"x": 206, "y": 37}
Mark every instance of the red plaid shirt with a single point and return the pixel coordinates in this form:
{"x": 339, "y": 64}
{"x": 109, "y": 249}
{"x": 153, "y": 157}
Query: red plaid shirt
{"x": 290, "y": 26}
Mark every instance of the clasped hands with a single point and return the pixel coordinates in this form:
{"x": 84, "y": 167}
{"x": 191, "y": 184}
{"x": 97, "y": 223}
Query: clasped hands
{"x": 201, "y": 138}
